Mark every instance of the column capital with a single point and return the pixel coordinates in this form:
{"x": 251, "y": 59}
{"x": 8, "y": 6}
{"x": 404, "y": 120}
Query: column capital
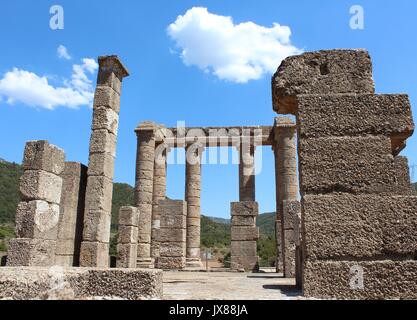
{"x": 146, "y": 127}
{"x": 284, "y": 125}
{"x": 112, "y": 64}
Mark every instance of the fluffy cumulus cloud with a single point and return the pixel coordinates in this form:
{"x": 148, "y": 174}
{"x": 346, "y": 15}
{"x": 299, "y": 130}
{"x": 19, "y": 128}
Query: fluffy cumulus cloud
{"x": 21, "y": 86}
{"x": 63, "y": 53}
{"x": 233, "y": 52}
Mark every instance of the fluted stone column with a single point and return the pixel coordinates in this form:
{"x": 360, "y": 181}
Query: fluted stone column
{"x": 246, "y": 171}
{"x": 285, "y": 149}
{"x": 192, "y": 197}
{"x": 145, "y": 163}
{"x": 98, "y": 202}
{"x": 159, "y": 193}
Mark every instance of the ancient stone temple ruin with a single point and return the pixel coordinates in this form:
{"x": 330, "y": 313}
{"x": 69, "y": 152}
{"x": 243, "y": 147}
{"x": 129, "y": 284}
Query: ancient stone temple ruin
{"x": 346, "y": 216}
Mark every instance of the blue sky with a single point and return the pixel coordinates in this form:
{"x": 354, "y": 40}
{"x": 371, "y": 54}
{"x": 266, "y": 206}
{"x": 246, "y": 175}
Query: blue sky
{"x": 164, "y": 89}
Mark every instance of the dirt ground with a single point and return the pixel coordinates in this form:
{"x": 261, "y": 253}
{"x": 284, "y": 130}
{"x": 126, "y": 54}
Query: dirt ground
{"x": 224, "y": 285}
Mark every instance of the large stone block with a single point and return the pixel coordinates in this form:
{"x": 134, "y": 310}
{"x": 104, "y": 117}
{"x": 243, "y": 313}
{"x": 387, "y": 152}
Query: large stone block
{"x": 321, "y": 72}
{"x": 40, "y": 155}
{"x": 169, "y": 263}
{"x": 360, "y": 279}
{"x": 101, "y": 164}
{"x": 128, "y": 234}
{"x": 40, "y": 185}
{"x": 172, "y": 235}
{"x": 402, "y": 174}
{"x": 244, "y": 233}
{"x": 65, "y": 247}
{"x": 243, "y": 248}
{"x": 291, "y": 213}
{"x": 244, "y": 208}
{"x": 173, "y": 221}
{"x": 107, "y": 97}
{"x": 289, "y": 257}
{"x": 194, "y": 212}
{"x": 359, "y": 226}
{"x": 144, "y": 249}
{"x": 126, "y": 255}
{"x": 79, "y": 284}
{"x": 354, "y": 115}
{"x": 248, "y": 221}
{"x": 194, "y": 222}
{"x": 94, "y": 254}
{"x": 64, "y": 260}
{"x": 102, "y": 141}
{"x": 74, "y": 186}
{"x": 37, "y": 219}
{"x": 129, "y": 216}
{"x": 249, "y": 263}
{"x": 97, "y": 226}
{"x": 99, "y": 194}
{"x": 105, "y": 118}
{"x": 347, "y": 164}
{"x": 31, "y": 252}
{"x": 172, "y": 249}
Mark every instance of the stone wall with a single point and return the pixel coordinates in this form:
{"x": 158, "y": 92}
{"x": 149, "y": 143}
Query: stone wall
{"x": 58, "y": 283}
{"x": 244, "y": 234}
{"x": 358, "y": 222}
{"x": 173, "y": 233}
{"x": 38, "y": 213}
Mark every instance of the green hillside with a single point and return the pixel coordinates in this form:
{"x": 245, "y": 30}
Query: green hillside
{"x": 215, "y": 232}
{"x": 9, "y": 190}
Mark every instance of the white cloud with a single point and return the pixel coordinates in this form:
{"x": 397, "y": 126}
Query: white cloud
{"x": 63, "y": 53}
{"x": 35, "y": 91}
{"x": 236, "y": 53}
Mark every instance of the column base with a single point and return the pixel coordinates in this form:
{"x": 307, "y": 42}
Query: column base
{"x": 145, "y": 263}
{"x": 193, "y": 263}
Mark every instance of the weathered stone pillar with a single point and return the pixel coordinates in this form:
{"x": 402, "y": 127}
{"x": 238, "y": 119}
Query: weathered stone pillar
{"x": 192, "y": 197}
{"x": 145, "y": 163}
{"x": 285, "y": 150}
{"x": 291, "y": 210}
{"x": 127, "y": 242}
{"x": 359, "y": 233}
{"x": 71, "y": 219}
{"x": 37, "y": 215}
{"x": 173, "y": 234}
{"x": 246, "y": 170}
{"x": 244, "y": 235}
{"x": 159, "y": 193}
{"x": 98, "y": 202}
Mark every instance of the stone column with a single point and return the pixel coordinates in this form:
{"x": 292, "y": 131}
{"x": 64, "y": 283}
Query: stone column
{"x": 246, "y": 170}
{"x": 37, "y": 215}
{"x": 145, "y": 163}
{"x": 71, "y": 219}
{"x": 244, "y": 234}
{"x": 127, "y": 243}
{"x": 159, "y": 193}
{"x": 173, "y": 234}
{"x": 98, "y": 202}
{"x": 285, "y": 150}
{"x": 192, "y": 197}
